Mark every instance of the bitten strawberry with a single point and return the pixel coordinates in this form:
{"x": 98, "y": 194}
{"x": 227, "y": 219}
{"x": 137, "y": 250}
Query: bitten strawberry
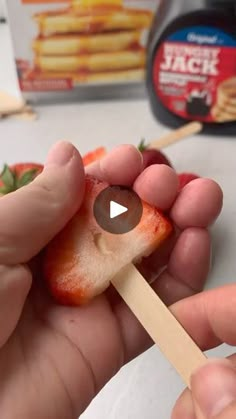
{"x": 81, "y": 261}
{"x": 185, "y": 178}
{"x": 18, "y": 175}
{"x": 152, "y": 156}
{"x": 92, "y": 156}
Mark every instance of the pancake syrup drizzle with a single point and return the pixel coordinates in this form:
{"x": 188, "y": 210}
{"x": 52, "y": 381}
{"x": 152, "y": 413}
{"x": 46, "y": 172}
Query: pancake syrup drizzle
{"x": 192, "y": 64}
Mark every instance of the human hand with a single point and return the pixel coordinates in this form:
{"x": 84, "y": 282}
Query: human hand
{"x": 54, "y": 359}
{"x": 210, "y": 318}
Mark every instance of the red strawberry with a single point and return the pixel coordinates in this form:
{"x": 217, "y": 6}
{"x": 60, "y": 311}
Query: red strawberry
{"x": 18, "y": 175}
{"x": 83, "y": 258}
{"x": 152, "y": 156}
{"x": 92, "y": 156}
{"x": 185, "y": 178}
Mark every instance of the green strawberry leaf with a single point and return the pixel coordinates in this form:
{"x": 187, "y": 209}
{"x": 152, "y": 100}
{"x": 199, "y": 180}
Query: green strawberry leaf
{"x": 8, "y": 178}
{"x": 142, "y": 146}
{"x": 4, "y": 190}
{"x": 26, "y": 178}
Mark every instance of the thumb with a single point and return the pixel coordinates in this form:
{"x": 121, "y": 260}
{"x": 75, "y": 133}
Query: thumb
{"x": 214, "y": 390}
{"x": 15, "y": 283}
{"x": 33, "y": 215}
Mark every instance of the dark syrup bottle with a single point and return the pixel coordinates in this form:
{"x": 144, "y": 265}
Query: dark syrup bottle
{"x": 192, "y": 64}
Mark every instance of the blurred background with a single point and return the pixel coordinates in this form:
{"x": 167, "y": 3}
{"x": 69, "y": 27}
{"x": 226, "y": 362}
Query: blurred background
{"x": 2, "y": 8}
{"x": 147, "y": 387}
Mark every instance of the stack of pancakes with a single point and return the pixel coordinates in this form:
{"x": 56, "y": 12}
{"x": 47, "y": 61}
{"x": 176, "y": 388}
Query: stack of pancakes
{"x": 225, "y": 108}
{"x": 92, "y": 41}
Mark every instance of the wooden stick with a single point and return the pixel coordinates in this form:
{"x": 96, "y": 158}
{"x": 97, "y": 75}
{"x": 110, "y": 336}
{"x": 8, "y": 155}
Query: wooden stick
{"x": 10, "y": 104}
{"x": 177, "y": 135}
{"x": 159, "y": 322}
{"x": 26, "y": 114}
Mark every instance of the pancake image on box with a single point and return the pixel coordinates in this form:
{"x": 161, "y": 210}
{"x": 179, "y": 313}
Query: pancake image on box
{"x": 94, "y": 78}
{"x": 225, "y": 108}
{"x": 92, "y": 62}
{"x": 91, "y": 41}
{"x": 72, "y": 44}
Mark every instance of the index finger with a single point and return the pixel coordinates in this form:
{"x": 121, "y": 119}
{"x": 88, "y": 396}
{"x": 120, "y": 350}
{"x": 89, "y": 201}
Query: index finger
{"x": 209, "y": 317}
{"x": 123, "y": 166}
{"x": 120, "y": 166}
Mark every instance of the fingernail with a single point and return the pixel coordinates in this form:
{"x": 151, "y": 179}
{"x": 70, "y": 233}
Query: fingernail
{"x": 60, "y": 154}
{"x": 214, "y": 387}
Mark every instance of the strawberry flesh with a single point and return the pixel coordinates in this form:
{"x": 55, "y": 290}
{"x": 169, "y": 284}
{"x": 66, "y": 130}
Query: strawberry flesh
{"x": 82, "y": 259}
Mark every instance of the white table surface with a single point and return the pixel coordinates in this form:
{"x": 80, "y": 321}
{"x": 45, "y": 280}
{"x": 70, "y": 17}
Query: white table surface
{"x": 148, "y": 387}
{"x": 2, "y": 8}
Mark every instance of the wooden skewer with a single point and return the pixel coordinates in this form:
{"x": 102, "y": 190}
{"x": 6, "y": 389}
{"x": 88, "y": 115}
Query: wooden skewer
{"x": 178, "y": 347}
{"x": 177, "y": 135}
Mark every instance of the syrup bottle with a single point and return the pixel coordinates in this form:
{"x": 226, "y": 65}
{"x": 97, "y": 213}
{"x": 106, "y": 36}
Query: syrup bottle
{"x": 192, "y": 64}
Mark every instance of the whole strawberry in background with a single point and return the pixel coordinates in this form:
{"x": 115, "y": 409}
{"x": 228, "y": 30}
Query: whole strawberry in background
{"x": 186, "y": 178}
{"x": 152, "y": 156}
{"x": 18, "y": 175}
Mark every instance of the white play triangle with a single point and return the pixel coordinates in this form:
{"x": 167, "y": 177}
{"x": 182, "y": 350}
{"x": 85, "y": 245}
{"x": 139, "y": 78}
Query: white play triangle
{"x": 116, "y": 209}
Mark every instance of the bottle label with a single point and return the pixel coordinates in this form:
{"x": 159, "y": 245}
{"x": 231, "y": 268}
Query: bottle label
{"x": 194, "y": 74}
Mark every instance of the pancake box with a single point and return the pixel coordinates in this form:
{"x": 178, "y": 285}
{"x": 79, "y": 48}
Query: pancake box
{"x": 80, "y": 49}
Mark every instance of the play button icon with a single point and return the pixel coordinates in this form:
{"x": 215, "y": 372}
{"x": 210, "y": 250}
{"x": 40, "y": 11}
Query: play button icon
{"x": 118, "y": 210}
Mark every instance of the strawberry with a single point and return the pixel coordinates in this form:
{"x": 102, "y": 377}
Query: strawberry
{"x": 93, "y": 156}
{"x": 18, "y": 175}
{"x": 152, "y": 156}
{"x": 185, "y": 178}
{"x": 82, "y": 259}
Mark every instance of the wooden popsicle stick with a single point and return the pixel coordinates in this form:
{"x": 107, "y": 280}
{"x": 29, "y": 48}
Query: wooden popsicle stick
{"x": 24, "y": 108}
{"x": 177, "y": 135}
{"x": 27, "y": 114}
{"x": 10, "y": 104}
{"x": 13, "y": 107}
{"x": 164, "y": 329}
